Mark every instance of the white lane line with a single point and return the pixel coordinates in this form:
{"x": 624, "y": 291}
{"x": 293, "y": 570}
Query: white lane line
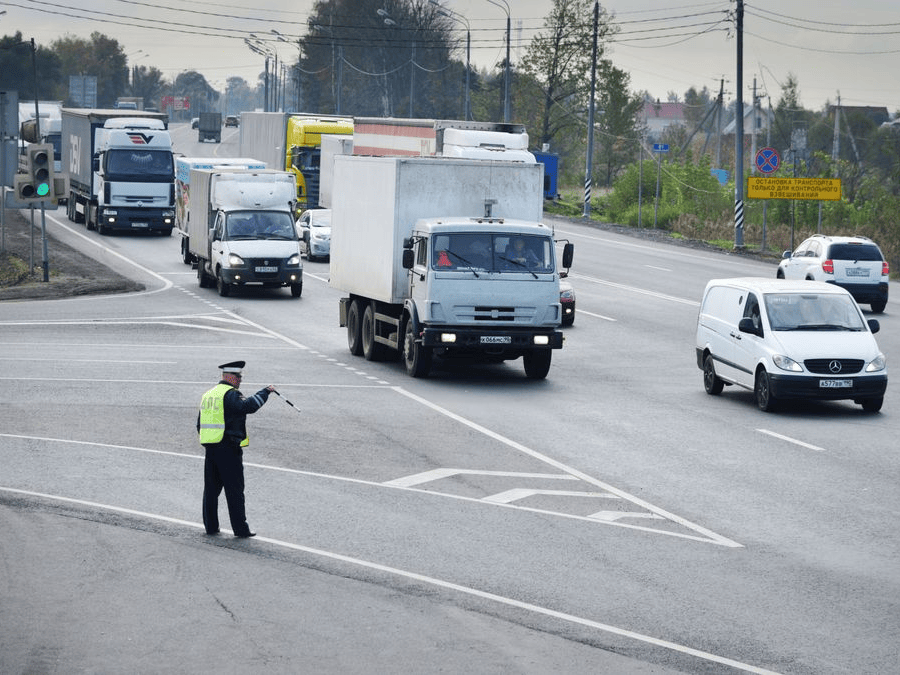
{"x": 439, "y": 583}
{"x": 596, "y": 316}
{"x": 661, "y": 269}
{"x": 441, "y": 474}
{"x": 791, "y": 440}
{"x": 635, "y": 289}
{"x": 712, "y": 536}
{"x": 515, "y": 494}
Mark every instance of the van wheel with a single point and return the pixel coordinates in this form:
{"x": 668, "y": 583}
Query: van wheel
{"x": 711, "y": 381}
{"x": 872, "y": 405}
{"x": 222, "y": 286}
{"x": 416, "y": 357}
{"x": 354, "y": 323}
{"x": 878, "y": 307}
{"x": 296, "y": 290}
{"x": 537, "y": 363}
{"x": 763, "y": 392}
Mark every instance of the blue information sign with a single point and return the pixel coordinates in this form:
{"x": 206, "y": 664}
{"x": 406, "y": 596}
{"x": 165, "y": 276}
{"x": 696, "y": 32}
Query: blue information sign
{"x": 660, "y": 147}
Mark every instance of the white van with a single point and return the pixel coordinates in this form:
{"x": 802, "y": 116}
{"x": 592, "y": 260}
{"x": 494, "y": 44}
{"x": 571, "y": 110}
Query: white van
{"x": 789, "y": 340}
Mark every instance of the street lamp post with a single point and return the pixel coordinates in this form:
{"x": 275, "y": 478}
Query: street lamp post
{"x": 388, "y": 21}
{"x": 505, "y": 8}
{"x": 258, "y": 48}
{"x": 450, "y": 14}
{"x": 282, "y": 38}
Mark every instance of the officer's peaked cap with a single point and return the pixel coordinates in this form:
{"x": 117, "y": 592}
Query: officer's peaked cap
{"x": 233, "y": 367}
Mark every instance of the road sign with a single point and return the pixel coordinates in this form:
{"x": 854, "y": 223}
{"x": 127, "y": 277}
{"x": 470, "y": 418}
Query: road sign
{"x": 660, "y": 147}
{"x": 819, "y": 189}
{"x": 767, "y": 160}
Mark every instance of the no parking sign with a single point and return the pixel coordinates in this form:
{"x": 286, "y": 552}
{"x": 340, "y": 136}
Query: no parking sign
{"x": 767, "y": 160}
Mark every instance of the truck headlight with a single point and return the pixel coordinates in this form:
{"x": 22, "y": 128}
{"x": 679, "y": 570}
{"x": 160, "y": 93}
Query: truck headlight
{"x": 234, "y": 260}
{"x": 448, "y": 337}
{"x": 294, "y": 260}
{"x": 541, "y": 340}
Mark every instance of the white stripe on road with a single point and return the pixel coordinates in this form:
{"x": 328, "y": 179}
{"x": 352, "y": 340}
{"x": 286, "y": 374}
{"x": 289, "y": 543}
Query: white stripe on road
{"x": 791, "y": 440}
{"x": 433, "y": 581}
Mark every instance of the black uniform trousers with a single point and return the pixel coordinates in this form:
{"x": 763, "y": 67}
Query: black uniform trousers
{"x": 224, "y": 468}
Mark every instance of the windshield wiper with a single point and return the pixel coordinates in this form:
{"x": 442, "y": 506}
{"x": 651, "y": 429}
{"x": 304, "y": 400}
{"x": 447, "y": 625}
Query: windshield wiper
{"x": 465, "y": 262}
{"x": 516, "y": 262}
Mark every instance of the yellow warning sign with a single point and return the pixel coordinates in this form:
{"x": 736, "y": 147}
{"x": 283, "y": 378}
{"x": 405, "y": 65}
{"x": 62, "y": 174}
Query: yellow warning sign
{"x": 768, "y": 187}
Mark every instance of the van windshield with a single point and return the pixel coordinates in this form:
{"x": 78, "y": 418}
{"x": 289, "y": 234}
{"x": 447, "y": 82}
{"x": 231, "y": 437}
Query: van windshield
{"x": 813, "y": 311}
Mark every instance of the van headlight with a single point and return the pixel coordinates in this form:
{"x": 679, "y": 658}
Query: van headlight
{"x": 876, "y": 364}
{"x": 234, "y": 260}
{"x": 294, "y": 260}
{"x": 787, "y": 363}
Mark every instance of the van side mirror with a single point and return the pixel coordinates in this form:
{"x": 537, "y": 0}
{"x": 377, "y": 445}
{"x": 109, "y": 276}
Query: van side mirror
{"x": 746, "y": 325}
{"x": 874, "y": 326}
{"x": 409, "y": 258}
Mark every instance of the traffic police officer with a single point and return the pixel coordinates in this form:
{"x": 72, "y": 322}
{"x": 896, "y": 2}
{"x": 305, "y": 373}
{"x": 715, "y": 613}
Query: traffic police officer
{"x": 222, "y": 423}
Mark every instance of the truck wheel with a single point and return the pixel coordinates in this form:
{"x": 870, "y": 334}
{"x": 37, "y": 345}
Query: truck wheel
{"x": 416, "y": 357}
{"x": 372, "y": 351}
{"x": 354, "y": 324}
{"x": 89, "y": 222}
{"x": 222, "y": 286}
{"x": 711, "y": 381}
{"x": 186, "y": 256}
{"x": 296, "y": 290}
{"x": 537, "y": 363}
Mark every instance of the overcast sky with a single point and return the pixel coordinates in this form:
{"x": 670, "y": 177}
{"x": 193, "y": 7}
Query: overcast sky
{"x": 833, "y": 48}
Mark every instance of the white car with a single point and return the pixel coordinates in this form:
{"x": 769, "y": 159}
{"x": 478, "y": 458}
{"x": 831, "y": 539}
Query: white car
{"x": 854, "y": 263}
{"x": 788, "y": 340}
{"x": 314, "y": 230}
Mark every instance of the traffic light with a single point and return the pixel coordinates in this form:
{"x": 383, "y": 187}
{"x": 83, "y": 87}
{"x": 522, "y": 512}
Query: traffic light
{"x": 36, "y": 184}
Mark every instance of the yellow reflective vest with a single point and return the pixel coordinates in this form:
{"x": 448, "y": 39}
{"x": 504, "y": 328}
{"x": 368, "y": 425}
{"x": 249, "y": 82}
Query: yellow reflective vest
{"x": 212, "y": 416}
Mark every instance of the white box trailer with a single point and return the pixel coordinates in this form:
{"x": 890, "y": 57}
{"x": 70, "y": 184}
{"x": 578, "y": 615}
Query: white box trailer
{"x": 183, "y": 168}
{"x": 404, "y": 236}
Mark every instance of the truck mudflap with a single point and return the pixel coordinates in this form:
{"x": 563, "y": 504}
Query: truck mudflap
{"x": 494, "y": 341}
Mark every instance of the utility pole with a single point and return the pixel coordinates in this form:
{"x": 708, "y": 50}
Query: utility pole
{"x": 739, "y": 134}
{"x": 590, "y": 142}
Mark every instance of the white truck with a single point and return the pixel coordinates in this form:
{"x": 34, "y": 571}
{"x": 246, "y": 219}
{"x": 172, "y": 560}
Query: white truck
{"x": 241, "y": 229}
{"x": 120, "y": 169}
{"x": 183, "y": 168}
{"x": 426, "y": 250}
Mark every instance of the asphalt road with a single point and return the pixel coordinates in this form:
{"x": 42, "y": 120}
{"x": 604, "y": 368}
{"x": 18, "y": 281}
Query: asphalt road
{"x": 612, "y": 518}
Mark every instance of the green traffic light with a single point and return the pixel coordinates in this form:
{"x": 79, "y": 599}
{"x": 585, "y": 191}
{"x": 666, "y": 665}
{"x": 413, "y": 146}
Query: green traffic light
{"x": 43, "y": 189}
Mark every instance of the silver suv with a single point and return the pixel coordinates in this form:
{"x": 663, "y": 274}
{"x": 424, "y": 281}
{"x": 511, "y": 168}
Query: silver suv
{"x": 854, "y": 263}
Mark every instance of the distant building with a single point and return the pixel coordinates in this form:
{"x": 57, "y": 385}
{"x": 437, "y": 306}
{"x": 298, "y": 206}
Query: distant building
{"x": 658, "y": 116}
{"x": 761, "y": 122}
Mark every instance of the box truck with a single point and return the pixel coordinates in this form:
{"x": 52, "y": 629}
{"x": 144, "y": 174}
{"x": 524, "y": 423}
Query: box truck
{"x": 427, "y": 251}
{"x": 209, "y": 127}
{"x": 241, "y": 229}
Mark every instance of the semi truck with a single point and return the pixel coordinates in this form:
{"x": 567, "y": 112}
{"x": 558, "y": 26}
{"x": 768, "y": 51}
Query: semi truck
{"x": 391, "y": 136}
{"x": 209, "y": 127}
{"x": 241, "y": 229}
{"x": 425, "y": 250}
{"x": 183, "y": 167}
{"x": 120, "y": 169}
{"x": 291, "y": 142}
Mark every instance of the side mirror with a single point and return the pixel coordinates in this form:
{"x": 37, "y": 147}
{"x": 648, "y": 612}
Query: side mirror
{"x": 407, "y": 242}
{"x": 95, "y": 163}
{"x": 568, "y": 254}
{"x": 874, "y": 326}
{"x": 786, "y": 254}
{"x": 409, "y": 258}
{"x": 746, "y": 325}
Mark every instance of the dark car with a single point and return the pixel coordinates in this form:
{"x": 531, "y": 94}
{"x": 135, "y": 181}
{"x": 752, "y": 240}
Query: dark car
{"x": 231, "y": 121}
{"x": 567, "y": 300}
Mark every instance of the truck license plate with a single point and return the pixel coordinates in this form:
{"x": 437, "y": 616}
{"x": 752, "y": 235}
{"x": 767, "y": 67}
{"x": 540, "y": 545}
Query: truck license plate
{"x": 266, "y": 269}
{"x": 835, "y": 384}
{"x": 496, "y": 339}
{"x": 140, "y": 224}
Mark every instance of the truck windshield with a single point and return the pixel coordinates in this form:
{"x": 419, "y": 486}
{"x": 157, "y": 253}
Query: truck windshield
{"x": 492, "y": 252}
{"x": 153, "y": 166}
{"x": 260, "y": 225}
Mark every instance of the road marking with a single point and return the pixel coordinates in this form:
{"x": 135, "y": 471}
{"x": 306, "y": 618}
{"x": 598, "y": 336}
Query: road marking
{"x": 791, "y": 440}
{"x": 610, "y": 516}
{"x": 440, "y": 474}
{"x": 635, "y": 289}
{"x": 597, "y": 316}
{"x": 709, "y": 534}
{"x": 661, "y": 269}
{"x": 516, "y": 494}
{"x": 433, "y": 581}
